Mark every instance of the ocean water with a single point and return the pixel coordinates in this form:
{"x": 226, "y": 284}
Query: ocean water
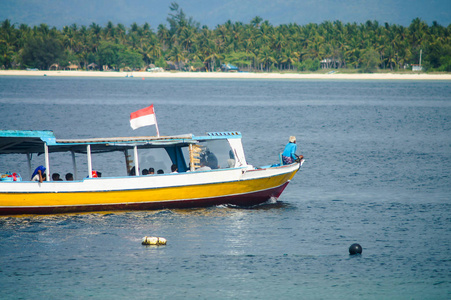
{"x": 377, "y": 173}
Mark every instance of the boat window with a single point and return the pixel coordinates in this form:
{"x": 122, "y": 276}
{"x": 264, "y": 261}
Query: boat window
{"x": 109, "y": 164}
{"x": 156, "y": 158}
{"x": 216, "y": 153}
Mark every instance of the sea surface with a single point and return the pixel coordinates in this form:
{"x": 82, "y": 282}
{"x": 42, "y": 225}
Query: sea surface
{"x": 377, "y": 172}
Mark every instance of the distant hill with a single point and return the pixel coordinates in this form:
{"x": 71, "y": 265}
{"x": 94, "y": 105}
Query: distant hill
{"x": 213, "y": 12}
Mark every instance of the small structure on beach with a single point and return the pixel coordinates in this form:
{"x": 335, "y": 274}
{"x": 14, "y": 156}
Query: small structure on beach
{"x": 73, "y": 67}
{"x": 329, "y": 63}
{"x": 417, "y": 68}
{"x": 92, "y": 66}
{"x": 54, "y": 67}
{"x": 229, "y": 68}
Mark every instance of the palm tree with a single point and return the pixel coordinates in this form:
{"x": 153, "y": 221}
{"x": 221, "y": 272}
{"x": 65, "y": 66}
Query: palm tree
{"x": 108, "y": 31}
{"x": 418, "y": 32}
{"x": 256, "y": 21}
{"x": 120, "y": 34}
{"x": 176, "y": 55}
{"x": 289, "y": 57}
{"x": 187, "y": 39}
{"x": 164, "y": 36}
{"x": 42, "y": 30}
{"x": 279, "y": 41}
{"x": 152, "y": 51}
{"x": 211, "y": 60}
{"x": 94, "y": 36}
{"x": 8, "y": 41}
{"x": 266, "y": 58}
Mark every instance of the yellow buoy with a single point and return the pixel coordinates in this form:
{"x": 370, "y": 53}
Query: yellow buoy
{"x": 152, "y": 240}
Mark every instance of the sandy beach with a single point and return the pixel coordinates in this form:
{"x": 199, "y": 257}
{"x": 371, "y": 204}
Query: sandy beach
{"x": 229, "y": 75}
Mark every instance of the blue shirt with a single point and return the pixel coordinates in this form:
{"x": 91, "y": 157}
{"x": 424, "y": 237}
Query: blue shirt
{"x": 290, "y": 150}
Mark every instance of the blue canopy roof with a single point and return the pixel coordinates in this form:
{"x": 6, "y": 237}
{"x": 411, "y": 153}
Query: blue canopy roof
{"x": 32, "y": 141}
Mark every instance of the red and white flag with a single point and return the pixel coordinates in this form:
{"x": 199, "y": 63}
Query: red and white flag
{"x": 143, "y": 117}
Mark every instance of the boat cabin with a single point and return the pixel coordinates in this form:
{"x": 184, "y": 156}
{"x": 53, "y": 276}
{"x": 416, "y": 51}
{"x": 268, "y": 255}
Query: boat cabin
{"x": 28, "y": 149}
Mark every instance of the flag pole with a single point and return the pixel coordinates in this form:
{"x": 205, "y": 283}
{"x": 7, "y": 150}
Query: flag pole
{"x": 156, "y": 123}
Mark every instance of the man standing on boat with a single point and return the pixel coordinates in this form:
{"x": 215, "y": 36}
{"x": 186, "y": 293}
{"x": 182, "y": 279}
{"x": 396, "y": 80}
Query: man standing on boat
{"x": 289, "y": 154}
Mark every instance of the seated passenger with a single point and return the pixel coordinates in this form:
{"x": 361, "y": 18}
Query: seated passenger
{"x": 38, "y": 174}
{"x": 145, "y": 172}
{"x": 56, "y": 177}
{"x": 231, "y": 160}
{"x": 69, "y": 177}
{"x": 132, "y": 172}
{"x": 151, "y": 171}
{"x": 203, "y": 166}
{"x": 174, "y": 169}
{"x": 160, "y": 171}
{"x": 212, "y": 160}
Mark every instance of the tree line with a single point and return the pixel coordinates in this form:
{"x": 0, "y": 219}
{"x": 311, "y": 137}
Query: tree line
{"x": 258, "y": 46}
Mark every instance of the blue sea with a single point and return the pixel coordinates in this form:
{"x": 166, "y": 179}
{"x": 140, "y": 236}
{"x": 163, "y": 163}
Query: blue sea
{"x": 377, "y": 172}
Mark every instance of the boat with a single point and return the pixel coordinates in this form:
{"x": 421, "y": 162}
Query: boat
{"x": 209, "y": 170}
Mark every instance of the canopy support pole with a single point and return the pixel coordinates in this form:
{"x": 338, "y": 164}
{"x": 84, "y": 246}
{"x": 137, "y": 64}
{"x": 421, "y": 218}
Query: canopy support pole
{"x": 128, "y": 161}
{"x": 88, "y": 152}
{"x": 135, "y": 154}
{"x": 47, "y": 164}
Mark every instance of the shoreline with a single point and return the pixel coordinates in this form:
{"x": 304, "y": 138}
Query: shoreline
{"x": 229, "y": 75}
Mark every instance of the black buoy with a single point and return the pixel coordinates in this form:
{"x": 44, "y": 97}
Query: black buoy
{"x": 355, "y": 249}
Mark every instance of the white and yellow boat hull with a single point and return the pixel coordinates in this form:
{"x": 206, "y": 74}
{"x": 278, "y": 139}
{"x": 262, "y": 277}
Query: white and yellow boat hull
{"x": 237, "y": 186}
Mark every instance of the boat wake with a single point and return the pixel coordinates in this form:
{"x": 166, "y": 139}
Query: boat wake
{"x": 271, "y": 200}
{"x": 270, "y": 203}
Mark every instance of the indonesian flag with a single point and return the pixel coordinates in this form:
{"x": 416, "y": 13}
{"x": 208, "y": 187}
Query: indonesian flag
{"x": 143, "y": 117}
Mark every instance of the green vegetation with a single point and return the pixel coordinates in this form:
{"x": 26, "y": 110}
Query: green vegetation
{"x": 257, "y": 46}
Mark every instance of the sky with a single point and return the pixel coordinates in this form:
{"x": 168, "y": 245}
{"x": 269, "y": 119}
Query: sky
{"x": 60, "y": 13}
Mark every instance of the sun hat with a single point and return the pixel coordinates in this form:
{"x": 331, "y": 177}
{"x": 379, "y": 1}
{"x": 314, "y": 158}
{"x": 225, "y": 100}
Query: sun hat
{"x": 292, "y": 139}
